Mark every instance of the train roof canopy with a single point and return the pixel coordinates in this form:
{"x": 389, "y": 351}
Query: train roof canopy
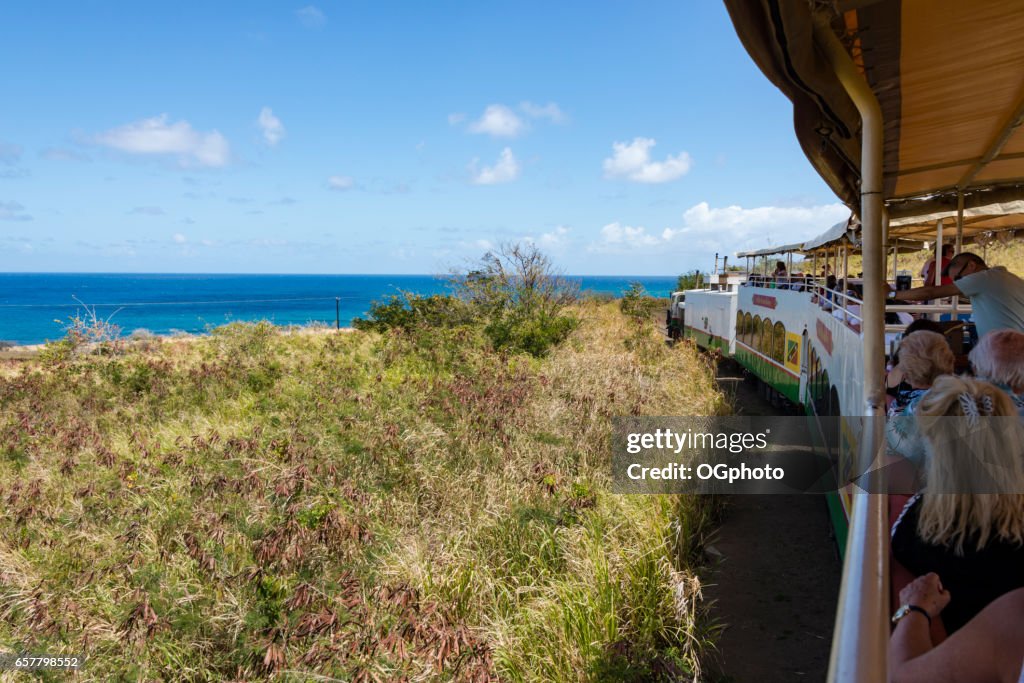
{"x": 768, "y": 251}
{"x": 977, "y": 221}
{"x": 947, "y": 76}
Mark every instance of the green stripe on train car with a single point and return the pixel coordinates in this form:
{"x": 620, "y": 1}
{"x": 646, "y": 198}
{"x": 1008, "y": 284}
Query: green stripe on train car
{"x": 769, "y": 373}
{"x": 706, "y": 341}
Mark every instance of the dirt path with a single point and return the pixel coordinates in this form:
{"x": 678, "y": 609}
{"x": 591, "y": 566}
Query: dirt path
{"x": 775, "y": 577}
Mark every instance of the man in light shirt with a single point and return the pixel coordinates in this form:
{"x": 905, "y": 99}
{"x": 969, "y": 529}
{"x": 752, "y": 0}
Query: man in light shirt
{"x": 997, "y": 295}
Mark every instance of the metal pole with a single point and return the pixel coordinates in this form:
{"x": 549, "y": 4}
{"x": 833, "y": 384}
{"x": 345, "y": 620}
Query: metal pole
{"x": 938, "y": 254}
{"x": 959, "y": 220}
{"x": 337, "y": 312}
{"x": 860, "y": 644}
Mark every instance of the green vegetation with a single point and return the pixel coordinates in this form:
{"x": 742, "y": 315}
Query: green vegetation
{"x": 694, "y": 280}
{"x": 513, "y": 295}
{"x": 409, "y": 502}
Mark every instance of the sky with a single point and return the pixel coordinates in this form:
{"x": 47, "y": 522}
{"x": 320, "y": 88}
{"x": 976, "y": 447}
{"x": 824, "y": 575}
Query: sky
{"x": 622, "y": 138}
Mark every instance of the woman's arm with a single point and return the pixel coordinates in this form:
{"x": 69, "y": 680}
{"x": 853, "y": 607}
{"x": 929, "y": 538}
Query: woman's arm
{"x": 988, "y": 649}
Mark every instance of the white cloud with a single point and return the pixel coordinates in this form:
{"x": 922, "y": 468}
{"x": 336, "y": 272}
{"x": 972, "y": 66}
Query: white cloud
{"x": 499, "y": 121}
{"x": 618, "y": 237}
{"x": 456, "y": 118}
{"x": 271, "y": 126}
{"x": 341, "y": 182}
{"x": 10, "y": 154}
{"x": 632, "y": 161}
{"x": 63, "y": 154}
{"x": 486, "y": 245}
{"x": 730, "y": 228}
{"x": 505, "y": 170}
{"x": 179, "y": 238}
{"x": 157, "y": 136}
{"x": 555, "y": 238}
{"x": 550, "y": 111}
{"x": 311, "y": 17}
{"x": 13, "y": 211}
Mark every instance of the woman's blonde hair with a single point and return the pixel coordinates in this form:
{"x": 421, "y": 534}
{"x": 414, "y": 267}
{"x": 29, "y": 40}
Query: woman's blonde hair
{"x": 975, "y": 470}
{"x": 924, "y": 356}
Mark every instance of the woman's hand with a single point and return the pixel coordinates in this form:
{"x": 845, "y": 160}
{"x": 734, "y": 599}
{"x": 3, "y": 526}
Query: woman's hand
{"x": 927, "y": 593}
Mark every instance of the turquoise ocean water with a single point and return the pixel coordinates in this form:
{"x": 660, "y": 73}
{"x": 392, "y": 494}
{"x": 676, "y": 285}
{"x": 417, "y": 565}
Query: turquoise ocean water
{"x": 31, "y": 304}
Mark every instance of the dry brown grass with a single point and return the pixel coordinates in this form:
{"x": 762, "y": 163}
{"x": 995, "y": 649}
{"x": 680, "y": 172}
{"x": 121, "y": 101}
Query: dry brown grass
{"x": 355, "y": 506}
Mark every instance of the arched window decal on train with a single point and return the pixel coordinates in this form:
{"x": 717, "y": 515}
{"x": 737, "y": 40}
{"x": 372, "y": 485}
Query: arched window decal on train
{"x": 778, "y": 351}
{"x": 748, "y": 329}
{"x": 766, "y": 337}
{"x": 739, "y": 324}
{"x": 755, "y": 333}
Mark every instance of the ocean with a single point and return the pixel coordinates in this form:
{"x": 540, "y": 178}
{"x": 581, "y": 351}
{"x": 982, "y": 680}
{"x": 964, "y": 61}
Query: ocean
{"x": 35, "y": 306}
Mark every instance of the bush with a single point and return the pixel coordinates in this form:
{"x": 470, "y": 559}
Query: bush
{"x": 513, "y": 294}
{"x": 410, "y": 312}
{"x": 521, "y": 298}
{"x": 4, "y": 345}
{"x": 637, "y": 303}
{"x": 694, "y": 280}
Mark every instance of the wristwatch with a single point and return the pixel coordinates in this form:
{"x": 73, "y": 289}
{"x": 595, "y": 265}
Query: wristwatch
{"x": 890, "y": 295}
{"x": 907, "y": 609}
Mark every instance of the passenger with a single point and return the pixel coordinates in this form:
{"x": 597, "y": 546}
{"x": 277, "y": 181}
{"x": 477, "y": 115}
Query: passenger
{"x": 997, "y": 295}
{"x": 928, "y": 269}
{"x": 999, "y": 358}
{"x": 967, "y": 525}
{"x": 987, "y": 650}
{"x": 780, "y": 269}
{"x": 895, "y": 381}
{"x": 923, "y": 358}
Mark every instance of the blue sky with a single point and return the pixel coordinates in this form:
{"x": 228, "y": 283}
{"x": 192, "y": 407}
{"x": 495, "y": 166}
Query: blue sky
{"x": 386, "y": 137}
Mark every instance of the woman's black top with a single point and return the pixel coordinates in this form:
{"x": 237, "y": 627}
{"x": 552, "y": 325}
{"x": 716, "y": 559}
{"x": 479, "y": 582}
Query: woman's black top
{"x": 973, "y": 579}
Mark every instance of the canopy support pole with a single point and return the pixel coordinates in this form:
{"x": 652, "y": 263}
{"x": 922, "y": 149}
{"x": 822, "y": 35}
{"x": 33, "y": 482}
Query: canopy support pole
{"x": 860, "y": 644}
{"x": 937, "y": 277}
{"x": 959, "y": 220}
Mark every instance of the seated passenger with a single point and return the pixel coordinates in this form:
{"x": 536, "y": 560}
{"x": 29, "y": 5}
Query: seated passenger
{"x": 987, "y": 650}
{"x": 967, "y": 525}
{"x": 999, "y": 358}
{"x": 895, "y": 382}
{"x": 923, "y": 357}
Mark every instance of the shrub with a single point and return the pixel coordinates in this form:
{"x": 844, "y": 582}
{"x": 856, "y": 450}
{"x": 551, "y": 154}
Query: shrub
{"x": 407, "y": 311}
{"x": 513, "y": 294}
{"x": 521, "y": 298}
{"x": 694, "y": 280}
{"x": 4, "y": 345}
{"x": 637, "y": 303}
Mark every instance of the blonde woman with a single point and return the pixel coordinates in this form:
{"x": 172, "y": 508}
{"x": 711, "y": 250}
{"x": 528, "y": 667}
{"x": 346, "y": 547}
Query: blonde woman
{"x": 924, "y": 356}
{"x": 967, "y": 525}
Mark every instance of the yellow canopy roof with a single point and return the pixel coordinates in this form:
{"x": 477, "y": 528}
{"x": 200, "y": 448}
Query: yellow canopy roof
{"x": 948, "y": 74}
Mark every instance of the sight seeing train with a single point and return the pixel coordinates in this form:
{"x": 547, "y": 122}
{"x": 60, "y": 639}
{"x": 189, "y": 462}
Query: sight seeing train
{"x": 910, "y": 110}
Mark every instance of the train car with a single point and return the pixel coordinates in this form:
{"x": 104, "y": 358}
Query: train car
{"x": 915, "y": 137}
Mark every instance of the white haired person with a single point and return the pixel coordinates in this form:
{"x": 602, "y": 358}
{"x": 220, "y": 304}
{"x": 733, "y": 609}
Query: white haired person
{"x": 999, "y": 358}
{"x": 967, "y": 524}
{"x": 989, "y": 649}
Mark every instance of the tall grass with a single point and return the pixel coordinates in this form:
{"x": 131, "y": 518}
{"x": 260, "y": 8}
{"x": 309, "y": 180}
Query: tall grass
{"x": 354, "y": 506}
